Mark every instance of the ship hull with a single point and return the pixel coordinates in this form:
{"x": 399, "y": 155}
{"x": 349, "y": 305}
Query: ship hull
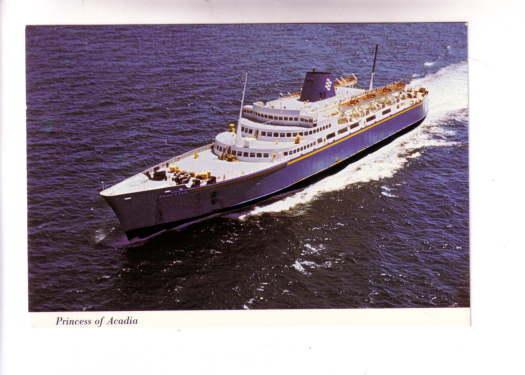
{"x": 149, "y": 212}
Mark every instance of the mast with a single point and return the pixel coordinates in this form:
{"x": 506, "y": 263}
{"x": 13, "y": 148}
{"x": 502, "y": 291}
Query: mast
{"x": 238, "y": 136}
{"x": 373, "y": 69}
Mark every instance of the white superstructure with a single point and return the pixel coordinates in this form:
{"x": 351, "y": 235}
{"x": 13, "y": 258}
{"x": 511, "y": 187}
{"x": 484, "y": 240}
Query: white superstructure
{"x": 274, "y": 132}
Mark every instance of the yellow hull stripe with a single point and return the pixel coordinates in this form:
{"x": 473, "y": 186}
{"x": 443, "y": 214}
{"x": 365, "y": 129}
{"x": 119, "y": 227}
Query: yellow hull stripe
{"x": 352, "y": 135}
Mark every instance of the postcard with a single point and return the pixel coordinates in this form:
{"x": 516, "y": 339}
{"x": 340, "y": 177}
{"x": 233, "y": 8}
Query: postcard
{"x": 270, "y": 167}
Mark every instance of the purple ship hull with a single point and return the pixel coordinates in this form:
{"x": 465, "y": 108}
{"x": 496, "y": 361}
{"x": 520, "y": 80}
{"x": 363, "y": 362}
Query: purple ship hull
{"x": 152, "y": 211}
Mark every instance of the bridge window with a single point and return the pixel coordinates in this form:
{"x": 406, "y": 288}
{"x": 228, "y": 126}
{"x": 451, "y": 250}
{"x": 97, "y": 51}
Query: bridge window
{"x": 259, "y": 155}
{"x": 354, "y": 125}
{"x": 275, "y": 134}
{"x": 245, "y": 155}
{"x": 288, "y": 134}
{"x": 330, "y": 136}
{"x": 282, "y": 135}
{"x": 252, "y": 154}
{"x": 371, "y": 118}
{"x": 266, "y": 155}
{"x": 386, "y": 111}
{"x": 341, "y": 131}
{"x": 286, "y": 153}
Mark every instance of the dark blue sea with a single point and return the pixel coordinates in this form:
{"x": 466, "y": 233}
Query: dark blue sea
{"x": 106, "y": 102}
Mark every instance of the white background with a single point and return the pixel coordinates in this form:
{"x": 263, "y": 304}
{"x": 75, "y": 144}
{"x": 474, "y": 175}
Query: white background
{"x": 492, "y": 345}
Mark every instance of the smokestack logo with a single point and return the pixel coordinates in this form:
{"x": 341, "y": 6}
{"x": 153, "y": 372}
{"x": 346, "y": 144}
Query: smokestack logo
{"x": 328, "y": 84}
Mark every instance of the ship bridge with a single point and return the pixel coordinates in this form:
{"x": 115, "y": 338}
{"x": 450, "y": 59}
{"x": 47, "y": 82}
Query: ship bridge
{"x": 295, "y": 122}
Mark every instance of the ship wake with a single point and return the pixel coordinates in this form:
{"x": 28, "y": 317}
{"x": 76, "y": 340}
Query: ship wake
{"x": 448, "y": 96}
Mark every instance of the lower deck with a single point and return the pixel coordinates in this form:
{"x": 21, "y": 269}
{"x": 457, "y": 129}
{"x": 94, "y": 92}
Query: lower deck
{"x": 201, "y": 161}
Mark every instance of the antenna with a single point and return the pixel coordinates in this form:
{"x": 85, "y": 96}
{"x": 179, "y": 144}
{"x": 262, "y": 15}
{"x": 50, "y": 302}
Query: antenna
{"x": 373, "y": 69}
{"x": 238, "y": 137}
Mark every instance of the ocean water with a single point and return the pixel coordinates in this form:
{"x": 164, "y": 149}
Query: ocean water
{"x": 105, "y": 102}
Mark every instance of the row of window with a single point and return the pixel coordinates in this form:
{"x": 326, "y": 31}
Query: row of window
{"x": 302, "y": 148}
{"x": 352, "y": 126}
{"x": 289, "y": 135}
{"x": 245, "y": 154}
{"x": 265, "y": 154}
{"x": 278, "y": 118}
{"x": 329, "y": 136}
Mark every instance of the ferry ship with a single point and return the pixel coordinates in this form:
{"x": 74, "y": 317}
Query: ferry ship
{"x": 273, "y": 146}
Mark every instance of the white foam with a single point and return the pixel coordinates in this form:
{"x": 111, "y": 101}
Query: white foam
{"x": 309, "y": 263}
{"x": 448, "y": 90}
{"x": 414, "y": 155}
{"x": 311, "y": 249}
{"x": 389, "y": 195}
{"x": 101, "y": 234}
{"x": 448, "y": 94}
{"x": 299, "y": 267}
{"x": 429, "y": 63}
{"x": 386, "y": 191}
